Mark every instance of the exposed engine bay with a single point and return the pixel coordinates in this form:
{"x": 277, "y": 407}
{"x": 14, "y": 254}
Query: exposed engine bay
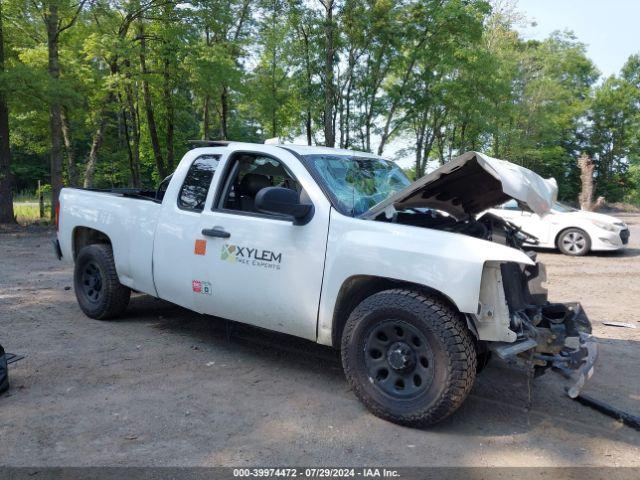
{"x": 488, "y": 226}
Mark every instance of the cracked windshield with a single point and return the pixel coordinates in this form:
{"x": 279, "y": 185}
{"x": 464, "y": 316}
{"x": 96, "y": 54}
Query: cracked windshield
{"x": 358, "y": 183}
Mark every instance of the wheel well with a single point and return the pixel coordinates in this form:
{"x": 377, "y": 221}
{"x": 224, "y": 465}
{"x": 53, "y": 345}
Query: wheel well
{"x": 355, "y": 289}
{"x": 83, "y": 236}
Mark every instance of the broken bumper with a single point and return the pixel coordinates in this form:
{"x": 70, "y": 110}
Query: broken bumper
{"x": 557, "y": 337}
{"x": 577, "y": 367}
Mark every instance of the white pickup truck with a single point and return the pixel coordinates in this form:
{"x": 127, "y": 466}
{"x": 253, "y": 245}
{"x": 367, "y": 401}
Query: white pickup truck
{"x": 340, "y": 248}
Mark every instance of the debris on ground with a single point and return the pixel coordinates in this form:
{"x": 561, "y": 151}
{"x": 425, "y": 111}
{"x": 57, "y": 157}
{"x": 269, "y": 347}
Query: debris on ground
{"x": 6, "y": 359}
{"x": 628, "y": 419}
{"x": 619, "y": 324}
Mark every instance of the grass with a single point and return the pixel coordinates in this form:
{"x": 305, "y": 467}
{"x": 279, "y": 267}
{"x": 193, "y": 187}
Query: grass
{"x": 29, "y": 213}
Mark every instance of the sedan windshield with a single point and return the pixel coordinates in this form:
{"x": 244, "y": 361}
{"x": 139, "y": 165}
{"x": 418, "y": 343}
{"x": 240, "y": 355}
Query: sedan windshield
{"x": 357, "y": 183}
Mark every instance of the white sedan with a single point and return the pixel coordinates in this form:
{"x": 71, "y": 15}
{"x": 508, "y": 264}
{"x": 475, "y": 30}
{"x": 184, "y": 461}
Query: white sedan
{"x": 573, "y": 232}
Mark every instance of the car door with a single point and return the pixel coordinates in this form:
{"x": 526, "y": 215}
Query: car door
{"x": 263, "y": 269}
{"x": 535, "y": 225}
{"x": 528, "y": 221}
{"x": 176, "y": 249}
{"x": 510, "y": 211}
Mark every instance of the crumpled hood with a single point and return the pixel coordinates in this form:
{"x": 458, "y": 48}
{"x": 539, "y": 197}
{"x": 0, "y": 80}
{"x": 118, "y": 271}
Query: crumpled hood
{"x": 472, "y": 183}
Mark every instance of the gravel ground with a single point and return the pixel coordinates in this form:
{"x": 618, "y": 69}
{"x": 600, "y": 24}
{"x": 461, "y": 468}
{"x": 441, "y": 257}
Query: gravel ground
{"x": 164, "y": 386}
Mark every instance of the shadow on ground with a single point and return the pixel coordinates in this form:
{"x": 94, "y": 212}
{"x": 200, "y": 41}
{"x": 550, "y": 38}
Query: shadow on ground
{"x": 505, "y": 400}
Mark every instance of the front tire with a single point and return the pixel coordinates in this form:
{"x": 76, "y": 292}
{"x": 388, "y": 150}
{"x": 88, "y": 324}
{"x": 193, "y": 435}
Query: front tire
{"x": 98, "y": 290}
{"x": 409, "y": 358}
{"x": 574, "y": 241}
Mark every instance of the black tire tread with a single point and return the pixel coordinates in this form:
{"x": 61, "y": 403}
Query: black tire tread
{"x": 453, "y": 333}
{"x": 117, "y": 295}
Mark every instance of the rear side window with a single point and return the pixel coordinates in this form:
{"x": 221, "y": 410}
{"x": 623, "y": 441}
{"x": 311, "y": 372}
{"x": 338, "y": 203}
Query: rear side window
{"x": 510, "y": 205}
{"x": 195, "y": 188}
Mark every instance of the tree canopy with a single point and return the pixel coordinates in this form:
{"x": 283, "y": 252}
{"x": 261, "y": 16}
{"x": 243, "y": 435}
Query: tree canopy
{"x": 103, "y": 93}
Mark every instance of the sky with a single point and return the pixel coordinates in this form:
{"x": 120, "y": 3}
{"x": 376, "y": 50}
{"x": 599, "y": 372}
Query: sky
{"x": 609, "y": 28}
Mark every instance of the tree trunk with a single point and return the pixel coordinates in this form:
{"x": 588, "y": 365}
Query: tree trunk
{"x": 329, "y": 95}
{"x": 586, "y": 166}
{"x": 170, "y": 114}
{"x": 127, "y": 138}
{"x": 347, "y": 122}
{"x": 98, "y": 137}
{"x": 6, "y": 179}
{"x": 55, "y": 109}
{"x": 307, "y": 87}
{"x": 205, "y": 118}
{"x": 274, "y": 93}
{"x": 132, "y": 135}
{"x": 133, "y": 139}
{"x": 151, "y": 120}
{"x": 224, "y": 112}
{"x": 420, "y": 132}
{"x": 72, "y": 171}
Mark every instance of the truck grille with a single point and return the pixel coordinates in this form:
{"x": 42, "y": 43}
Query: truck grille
{"x": 624, "y": 236}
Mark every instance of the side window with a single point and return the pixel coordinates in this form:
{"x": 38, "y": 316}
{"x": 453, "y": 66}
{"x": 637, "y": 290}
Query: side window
{"x": 249, "y": 174}
{"x": 193, "y": 192}
{"x": 510, "y": 205}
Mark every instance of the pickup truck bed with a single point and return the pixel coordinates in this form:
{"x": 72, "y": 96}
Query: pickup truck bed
{"x": 128, "y": 219}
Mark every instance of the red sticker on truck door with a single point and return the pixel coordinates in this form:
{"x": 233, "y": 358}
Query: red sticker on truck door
{"x": 200, "y": 247}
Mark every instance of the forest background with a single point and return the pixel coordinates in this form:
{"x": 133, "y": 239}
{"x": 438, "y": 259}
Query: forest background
{"x": 107, "y": 93}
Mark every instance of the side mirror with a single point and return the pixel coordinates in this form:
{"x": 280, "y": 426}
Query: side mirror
{"x": 283, "y": 201}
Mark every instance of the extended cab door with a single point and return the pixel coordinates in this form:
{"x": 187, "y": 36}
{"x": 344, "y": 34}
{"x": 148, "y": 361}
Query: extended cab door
{"x": 176, "y": 249}
{"x": 262, "y": 269}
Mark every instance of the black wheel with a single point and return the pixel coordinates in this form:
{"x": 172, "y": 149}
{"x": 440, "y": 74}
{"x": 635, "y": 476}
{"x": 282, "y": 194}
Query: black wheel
{"x": 409, "y": 358}
{"x": 99, "y": 293}
{"x": 574, "y": 241}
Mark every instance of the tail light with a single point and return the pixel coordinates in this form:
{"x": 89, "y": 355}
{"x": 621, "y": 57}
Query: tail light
{"x": 57, "y": 215}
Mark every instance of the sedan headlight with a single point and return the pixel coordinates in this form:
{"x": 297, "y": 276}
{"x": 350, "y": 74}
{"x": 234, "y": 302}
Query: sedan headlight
{"x": 605, "y": 226}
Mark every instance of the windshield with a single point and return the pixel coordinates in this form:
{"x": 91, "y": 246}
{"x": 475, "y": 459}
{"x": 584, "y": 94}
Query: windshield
{"x": 358, "y": 183}
{"x": 562, "y": 208}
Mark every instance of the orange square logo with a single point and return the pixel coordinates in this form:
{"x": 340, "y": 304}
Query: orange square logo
{"x": 200, "y": 247}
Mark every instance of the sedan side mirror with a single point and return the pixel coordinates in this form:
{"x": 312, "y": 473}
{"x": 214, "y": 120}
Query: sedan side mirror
{"x": 283, "y": 201}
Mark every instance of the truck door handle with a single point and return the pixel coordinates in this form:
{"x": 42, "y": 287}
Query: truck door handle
{"x": 215, "y": 232}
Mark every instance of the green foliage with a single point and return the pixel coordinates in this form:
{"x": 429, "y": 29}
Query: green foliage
{"x": 28, "y": 213}
{"x": 450, "y": 75}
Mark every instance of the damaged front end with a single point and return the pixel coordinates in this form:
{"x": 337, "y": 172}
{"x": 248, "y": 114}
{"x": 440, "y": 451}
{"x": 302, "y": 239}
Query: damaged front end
{"x": 540, "y": 334}
{"x": 514, "y": 317}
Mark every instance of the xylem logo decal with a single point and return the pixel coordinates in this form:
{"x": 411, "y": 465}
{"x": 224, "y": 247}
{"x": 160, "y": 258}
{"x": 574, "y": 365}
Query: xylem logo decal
{"x": 251, "y": 256}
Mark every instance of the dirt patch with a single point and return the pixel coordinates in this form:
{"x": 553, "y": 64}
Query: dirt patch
{"x": 165, "y": 386}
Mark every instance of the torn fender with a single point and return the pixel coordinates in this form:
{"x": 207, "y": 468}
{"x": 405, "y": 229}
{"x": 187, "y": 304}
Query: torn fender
{"x": 449, "y": 263}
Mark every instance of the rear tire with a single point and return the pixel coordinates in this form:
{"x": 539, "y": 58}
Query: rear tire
{"x": 574, "y": 241}
{"x": 98, "y": 290}
{"x": 409, "y": 358}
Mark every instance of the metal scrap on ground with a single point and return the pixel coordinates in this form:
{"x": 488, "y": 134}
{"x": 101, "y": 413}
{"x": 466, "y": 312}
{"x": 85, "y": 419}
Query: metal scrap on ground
{"x": 619, "y": 324}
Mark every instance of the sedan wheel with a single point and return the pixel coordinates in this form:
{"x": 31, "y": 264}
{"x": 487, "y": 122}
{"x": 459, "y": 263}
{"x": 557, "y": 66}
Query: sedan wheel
{"x": 574, "y": 241}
